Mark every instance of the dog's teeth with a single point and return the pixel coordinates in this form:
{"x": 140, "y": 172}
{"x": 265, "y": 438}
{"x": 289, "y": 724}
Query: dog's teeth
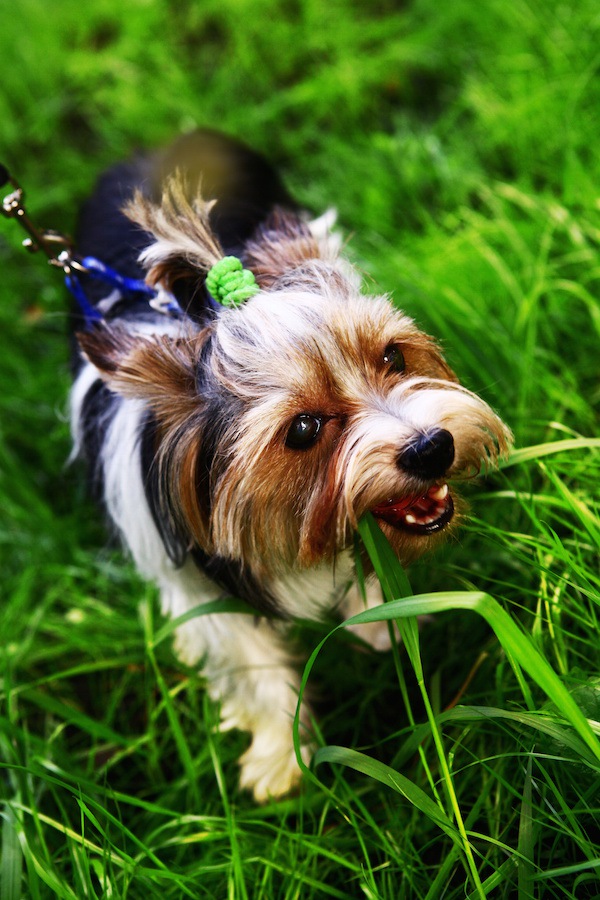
{"x": 410, "y": 518}
{"x": 439, "y": 493}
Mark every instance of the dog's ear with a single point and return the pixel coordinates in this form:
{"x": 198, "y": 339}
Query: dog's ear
{"x": 185, "y": 244}
{"x": 285, "y": 242}
{"x": 158, "y": 369}
{"x": 162, "y": 371}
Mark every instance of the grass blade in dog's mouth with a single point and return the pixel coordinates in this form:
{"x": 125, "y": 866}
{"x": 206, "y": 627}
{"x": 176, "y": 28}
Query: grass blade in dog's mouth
{"x": 422, "y": 514}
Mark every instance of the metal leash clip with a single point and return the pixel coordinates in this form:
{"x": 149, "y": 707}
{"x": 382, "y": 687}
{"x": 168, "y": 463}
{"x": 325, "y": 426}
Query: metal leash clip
{"x": 56, "y": 246}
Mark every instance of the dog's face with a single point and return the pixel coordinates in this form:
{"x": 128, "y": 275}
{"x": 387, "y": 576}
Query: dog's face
{"x": 345, "y": 407}
{"x": 282, "y": 422}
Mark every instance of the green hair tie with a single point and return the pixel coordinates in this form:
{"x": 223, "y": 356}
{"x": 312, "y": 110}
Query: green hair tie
{"x": 229, "y": 283}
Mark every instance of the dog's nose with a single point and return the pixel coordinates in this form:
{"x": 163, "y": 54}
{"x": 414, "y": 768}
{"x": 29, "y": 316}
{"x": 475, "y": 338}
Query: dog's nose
{"x": 429, "y": 455}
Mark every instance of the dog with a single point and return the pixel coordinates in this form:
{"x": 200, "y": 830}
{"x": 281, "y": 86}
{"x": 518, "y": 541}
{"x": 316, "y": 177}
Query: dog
{"x": 235, "y": 447}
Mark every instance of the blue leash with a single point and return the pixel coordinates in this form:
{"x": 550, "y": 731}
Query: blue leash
{"x": 126, "y": 286}
{"x": 90, "y": 313}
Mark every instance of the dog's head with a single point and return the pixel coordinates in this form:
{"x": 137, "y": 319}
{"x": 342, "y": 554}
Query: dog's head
{"x": 280, "y": 423}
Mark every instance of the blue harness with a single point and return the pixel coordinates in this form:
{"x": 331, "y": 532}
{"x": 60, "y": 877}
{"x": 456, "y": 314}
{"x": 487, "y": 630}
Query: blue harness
{"x": 127, "y": 287}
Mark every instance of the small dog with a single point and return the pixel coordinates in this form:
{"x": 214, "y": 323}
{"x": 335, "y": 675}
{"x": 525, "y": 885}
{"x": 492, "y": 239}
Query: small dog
{"x": 236, "y": 448}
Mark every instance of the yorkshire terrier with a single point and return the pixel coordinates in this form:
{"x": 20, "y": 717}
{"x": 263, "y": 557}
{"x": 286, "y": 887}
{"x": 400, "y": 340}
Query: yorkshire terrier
{"x": 235, "y": 445}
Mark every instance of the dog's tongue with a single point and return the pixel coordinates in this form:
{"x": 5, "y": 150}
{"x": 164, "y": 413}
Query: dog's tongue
{"x": 420, "y": 513}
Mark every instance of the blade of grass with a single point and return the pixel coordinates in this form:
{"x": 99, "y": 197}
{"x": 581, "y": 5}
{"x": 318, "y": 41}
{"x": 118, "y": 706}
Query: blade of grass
{"x": 393, "y": 579}
{"x": 523, "y": 651}
{"x": 525, "y": 841}
{"x": 225, "y": 605}
{"x": 176, "y": 728}
{"x": 390, "y": 777}
{"x": 12, "y": 858}
{"x": 537, "y": 451}
{"x": 562, "y": 736}
{"x": 67, "y": 713}
{"x": 588, "y": 519}
{"x": 395, "y": 583}
{"x": 237, "y": 881}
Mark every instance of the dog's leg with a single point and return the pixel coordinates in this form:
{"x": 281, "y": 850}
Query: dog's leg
{"x": 253, "y": 677}
{"x": 250, "y": 673}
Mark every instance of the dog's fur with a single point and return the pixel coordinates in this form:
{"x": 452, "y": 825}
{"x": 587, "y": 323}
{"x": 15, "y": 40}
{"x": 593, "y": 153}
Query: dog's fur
{"x": 236, "y": 451}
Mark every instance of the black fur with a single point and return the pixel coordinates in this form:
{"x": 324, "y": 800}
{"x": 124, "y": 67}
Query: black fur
{"x": 245, "y": 185}
{"x": 104, "y": 232}
{"x": 237, "y": 581}
{"x": 169, "y": 529}
{"x": 97, "y": 411}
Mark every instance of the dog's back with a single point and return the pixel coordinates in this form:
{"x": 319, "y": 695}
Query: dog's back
{"x": 244, "y": 184}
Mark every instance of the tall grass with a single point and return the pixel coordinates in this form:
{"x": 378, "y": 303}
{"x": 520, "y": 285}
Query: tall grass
{"x": 459, "y": 142}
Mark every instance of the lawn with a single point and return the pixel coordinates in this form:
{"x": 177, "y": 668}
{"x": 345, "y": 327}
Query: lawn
{"x": 459, "y": 143}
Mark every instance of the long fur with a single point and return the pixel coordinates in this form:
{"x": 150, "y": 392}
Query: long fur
{"x": 186, "y": 426}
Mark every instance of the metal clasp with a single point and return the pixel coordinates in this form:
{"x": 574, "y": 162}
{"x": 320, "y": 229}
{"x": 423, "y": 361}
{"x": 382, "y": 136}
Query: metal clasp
{"x": 56, "y": 246}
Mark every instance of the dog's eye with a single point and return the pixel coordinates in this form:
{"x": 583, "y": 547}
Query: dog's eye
{"x": 303, "y": 431}
{"x": 394, "y": 358}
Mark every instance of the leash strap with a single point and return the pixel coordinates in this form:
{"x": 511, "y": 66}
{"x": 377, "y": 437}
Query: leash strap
{"x": 90, "y": 313}
{"x": 58, "y": 248}
{"x": 161, "y": 301}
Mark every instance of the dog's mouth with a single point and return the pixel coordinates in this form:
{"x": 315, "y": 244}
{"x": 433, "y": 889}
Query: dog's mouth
{"x": 418, "y": 514}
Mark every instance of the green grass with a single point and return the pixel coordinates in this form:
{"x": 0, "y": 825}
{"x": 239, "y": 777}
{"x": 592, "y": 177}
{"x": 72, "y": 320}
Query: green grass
{"x": 459, "y": 143}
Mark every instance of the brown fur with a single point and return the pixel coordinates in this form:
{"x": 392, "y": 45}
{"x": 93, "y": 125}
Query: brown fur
{"x": 189, "y": 244}
{"x": 160, "y": 371}
{"x": 283, "y": 244}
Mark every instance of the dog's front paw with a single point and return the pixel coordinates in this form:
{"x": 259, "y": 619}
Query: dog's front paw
{"x": 269, "y": 767}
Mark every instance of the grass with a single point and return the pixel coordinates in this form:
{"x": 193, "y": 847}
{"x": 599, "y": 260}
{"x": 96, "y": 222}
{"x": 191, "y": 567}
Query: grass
{"x": 459, "y": 143}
